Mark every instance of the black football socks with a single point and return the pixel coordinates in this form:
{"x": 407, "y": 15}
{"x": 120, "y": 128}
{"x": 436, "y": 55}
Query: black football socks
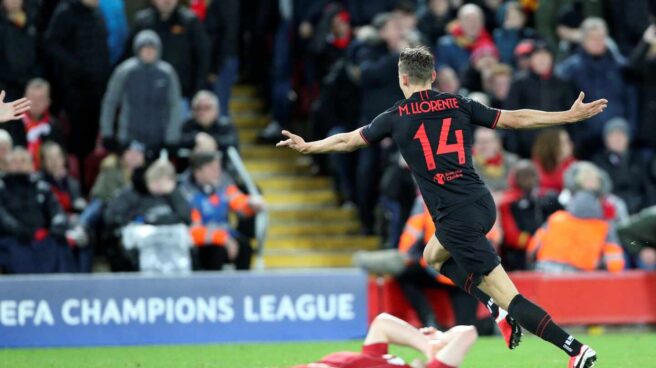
{"x": 451, "y": 270}
{"x": 537, "y": 321}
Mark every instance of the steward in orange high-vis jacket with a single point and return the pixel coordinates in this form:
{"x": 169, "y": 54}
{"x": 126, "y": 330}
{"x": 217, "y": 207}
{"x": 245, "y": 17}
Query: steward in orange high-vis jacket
{"x": 577, "y": 239}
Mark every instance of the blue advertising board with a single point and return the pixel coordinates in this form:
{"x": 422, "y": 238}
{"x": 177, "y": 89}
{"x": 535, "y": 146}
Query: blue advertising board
{"x": 96, "y": 310}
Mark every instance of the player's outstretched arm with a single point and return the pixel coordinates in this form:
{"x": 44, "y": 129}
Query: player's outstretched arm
{"x": 527, "y": 119}
{"x": 12, "y": 110}
{"x": 343, "y": 142}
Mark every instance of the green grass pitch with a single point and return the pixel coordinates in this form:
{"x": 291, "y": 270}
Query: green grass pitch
{"x": 615, "y": 350}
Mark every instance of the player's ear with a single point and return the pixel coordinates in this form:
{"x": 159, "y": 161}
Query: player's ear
{"x": 433, "y": 76}
{"x": 405, "y": 80}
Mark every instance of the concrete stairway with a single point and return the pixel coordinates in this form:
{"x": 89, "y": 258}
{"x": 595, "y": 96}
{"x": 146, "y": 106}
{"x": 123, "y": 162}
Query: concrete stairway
{"x": 307, "y": 228}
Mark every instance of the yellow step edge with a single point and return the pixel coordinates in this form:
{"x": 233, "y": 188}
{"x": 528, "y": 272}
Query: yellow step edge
{"x": 339, "y": 228}
{"x": 308, "y": 260}
{"x": 310, "y": 197}
{"x": 312, "y": 214}
{"x": 243, "y": 90}
{"x": 294, "y": 183}
{"x": 352, "y": 243}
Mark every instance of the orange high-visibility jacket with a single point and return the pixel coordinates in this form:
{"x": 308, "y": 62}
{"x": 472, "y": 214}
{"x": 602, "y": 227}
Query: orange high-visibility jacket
{"x": 582, "y": 243}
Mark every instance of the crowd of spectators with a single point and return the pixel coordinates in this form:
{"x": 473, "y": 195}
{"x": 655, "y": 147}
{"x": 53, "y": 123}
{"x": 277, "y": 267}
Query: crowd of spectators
{"x": 148, "y": 82}
{"x": 121, "y": 153}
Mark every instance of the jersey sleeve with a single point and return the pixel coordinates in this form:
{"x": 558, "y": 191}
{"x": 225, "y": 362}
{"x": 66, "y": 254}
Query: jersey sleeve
{"x": 482, "y": 115}
{"x": 378, "y": 129}
{"x": 377, "y": 349}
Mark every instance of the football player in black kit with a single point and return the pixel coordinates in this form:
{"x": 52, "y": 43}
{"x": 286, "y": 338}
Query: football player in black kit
{"x": 434, "y": 131}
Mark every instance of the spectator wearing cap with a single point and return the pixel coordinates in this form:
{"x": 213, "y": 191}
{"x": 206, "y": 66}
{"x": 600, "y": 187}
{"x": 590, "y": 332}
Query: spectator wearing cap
{"x": 148, "y": 93}
{"x": 599, "y": 72}
{"x": 628, "y": 172}
{"x": 513, "y": 30}
{"x": 464, "y": 37}
{"x": 536, "y": 88}
{"x": 205, "y": 124}
{"x": 643, "y": 66}
{"x": 212, "y": 197}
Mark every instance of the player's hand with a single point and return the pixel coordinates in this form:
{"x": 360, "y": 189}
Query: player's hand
{"x": 581, "y": 111}
{"x": 294, "y": 142}
{"x": 12, "y": 110}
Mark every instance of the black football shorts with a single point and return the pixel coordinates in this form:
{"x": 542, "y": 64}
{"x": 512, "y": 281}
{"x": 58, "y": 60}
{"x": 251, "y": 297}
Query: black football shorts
{"x": 463, "y": 233}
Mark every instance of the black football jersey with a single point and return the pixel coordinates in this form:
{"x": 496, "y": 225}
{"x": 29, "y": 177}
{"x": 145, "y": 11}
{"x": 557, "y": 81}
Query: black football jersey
{"x": 434, "y": 132}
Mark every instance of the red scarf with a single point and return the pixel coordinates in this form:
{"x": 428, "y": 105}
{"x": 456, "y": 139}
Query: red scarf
{"x": 199, "y": 7}
{"x": 34, "y": 131}
{"x": 483, "y": 40}
{"x": 342, "y": 42}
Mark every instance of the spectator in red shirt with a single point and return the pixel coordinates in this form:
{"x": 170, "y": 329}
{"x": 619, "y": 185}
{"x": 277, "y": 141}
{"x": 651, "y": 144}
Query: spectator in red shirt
{"x": 553, "y": 153}
{"x": 442, "y": 349}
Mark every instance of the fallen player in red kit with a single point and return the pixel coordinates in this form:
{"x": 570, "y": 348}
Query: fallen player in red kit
{"x": 442, "y": 349}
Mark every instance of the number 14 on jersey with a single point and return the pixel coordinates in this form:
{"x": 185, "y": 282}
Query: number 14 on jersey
{"x": 443, "y": 147}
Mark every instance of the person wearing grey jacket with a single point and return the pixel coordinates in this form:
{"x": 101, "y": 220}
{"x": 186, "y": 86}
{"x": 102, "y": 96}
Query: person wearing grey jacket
{"x": 148, "y": 93}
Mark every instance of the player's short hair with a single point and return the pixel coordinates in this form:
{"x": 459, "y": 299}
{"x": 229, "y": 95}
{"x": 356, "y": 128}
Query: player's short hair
{"x": 418, "y": 63}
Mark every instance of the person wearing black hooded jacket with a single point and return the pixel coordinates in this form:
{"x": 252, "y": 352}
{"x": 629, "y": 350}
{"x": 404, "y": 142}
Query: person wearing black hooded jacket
{"x": 185, "y": 44}
{"x": 77, "y": 43}
{"x": 18, "y": 48}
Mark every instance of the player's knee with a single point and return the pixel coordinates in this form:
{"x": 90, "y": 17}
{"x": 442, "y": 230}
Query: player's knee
{"x": 432, "y": 259}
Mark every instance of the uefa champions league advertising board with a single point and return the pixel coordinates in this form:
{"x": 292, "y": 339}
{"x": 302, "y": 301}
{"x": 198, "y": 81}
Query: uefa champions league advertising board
{"x": 91, "y": 310}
